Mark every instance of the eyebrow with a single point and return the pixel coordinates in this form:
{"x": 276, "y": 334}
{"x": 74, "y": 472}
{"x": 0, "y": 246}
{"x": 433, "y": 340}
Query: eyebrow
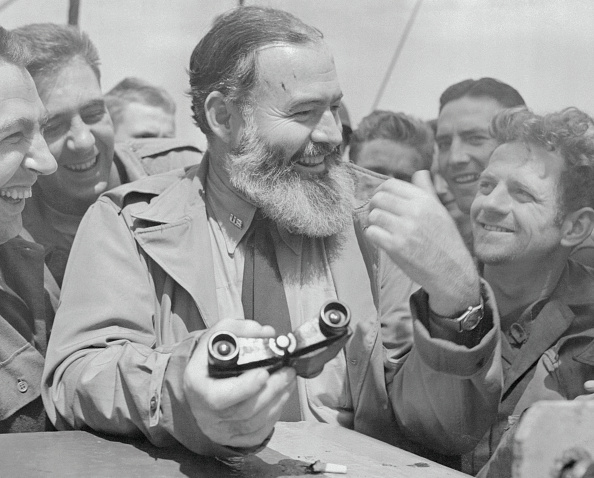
{"x": 12, "y": 124}
{"x": 470, "y": 131}
{"x": 43, "y": 119}
{"x": 465, "y": 132}
{"x": 314, "y": 101}
{"x": 100, "y": 102}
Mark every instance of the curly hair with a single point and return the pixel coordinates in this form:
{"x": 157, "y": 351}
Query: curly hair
{"x": 225, "y": 59}
{"x": 53, "y": 46}
{"x": 570, "y": 133}
{"x": 397, "y": 127}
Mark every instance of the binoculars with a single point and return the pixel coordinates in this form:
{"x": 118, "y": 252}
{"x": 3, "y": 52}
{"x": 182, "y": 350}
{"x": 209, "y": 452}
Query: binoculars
{"x": 306, "y": 349}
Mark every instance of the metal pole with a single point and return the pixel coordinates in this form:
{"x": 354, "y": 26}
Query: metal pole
{"x": 397, "y": 52}
{"x": 73, "y": 12}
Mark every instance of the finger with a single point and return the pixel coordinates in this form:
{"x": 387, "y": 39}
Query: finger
{"x": 589, "y": 386}
{"x": 422, "y": 179}
{"x": 276, "y": 386}
{"x": 383, "y": 239}
{"x": 388, "y": 221}
{"x": 223, "y": 393}
{"x": 266, "y": 417}
{"x": 244, "y": 328}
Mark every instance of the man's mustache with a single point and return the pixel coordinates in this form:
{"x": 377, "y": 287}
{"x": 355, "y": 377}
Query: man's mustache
{"x": 315, "y": 149}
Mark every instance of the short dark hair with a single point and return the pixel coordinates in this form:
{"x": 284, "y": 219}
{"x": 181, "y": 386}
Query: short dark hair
{"x": 137, "y": 90}
{"x": 225, "y": 59}
{"x": 52, "y": 46}
{"x": 11, "y": 50}
{"x": 570, "y": 133}
{"x": 505, "y": 95}
{"x": 397, "y": 127}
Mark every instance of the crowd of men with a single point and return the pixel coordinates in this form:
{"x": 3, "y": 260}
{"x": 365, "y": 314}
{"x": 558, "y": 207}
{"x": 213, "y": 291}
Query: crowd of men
{"x": 470, "y": 287}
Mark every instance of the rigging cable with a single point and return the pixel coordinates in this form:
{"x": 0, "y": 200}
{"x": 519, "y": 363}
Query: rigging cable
{"x": 397, "y": 52}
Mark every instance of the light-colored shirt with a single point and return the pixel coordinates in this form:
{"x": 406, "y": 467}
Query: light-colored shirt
{"x": 307, "y": 282}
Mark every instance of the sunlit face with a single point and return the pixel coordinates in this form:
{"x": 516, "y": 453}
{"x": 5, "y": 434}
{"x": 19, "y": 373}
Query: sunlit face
{"x": 79, "y": 134}
{"x": 465, "y": 145}
{"x": 296, "y": 102}
{"x": 515, "y": 215}
{"x": 137, "y": 120}
{"x": 288, "y": 159}
{"x": 23, "y": 151}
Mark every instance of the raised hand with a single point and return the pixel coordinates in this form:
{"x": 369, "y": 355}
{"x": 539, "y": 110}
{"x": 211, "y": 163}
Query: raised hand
{"x": 416, "y": 231}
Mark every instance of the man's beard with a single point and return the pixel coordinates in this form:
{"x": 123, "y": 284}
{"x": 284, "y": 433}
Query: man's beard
{"x": 315, "y": 206}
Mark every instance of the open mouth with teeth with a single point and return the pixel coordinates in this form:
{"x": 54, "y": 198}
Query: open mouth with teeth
{"x": 466, "y": 178}
{"x": 82, "y": 167}
{"x": 311, "y": 161}
{"x": 491, "y": 228}
{"x": 15, "y": 195}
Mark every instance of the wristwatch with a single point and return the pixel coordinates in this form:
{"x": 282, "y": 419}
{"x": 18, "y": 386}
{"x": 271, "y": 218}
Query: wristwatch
{"x": 467, "y": 320}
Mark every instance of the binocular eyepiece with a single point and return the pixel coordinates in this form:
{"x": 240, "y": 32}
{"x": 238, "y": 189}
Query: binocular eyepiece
{"x": 306, "y": 349}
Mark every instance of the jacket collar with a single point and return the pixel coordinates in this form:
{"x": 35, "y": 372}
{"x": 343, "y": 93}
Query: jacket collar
{"x": 175, "y": 203}
{"x": 174, "y": 222}
{"x": 576, "y": 287}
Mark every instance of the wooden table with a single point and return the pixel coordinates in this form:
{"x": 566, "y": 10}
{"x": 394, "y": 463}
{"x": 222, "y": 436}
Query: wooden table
{"x": 292, "y": 449}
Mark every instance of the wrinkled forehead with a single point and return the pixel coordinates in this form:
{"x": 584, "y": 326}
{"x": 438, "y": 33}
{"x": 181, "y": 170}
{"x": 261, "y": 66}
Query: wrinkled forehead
{"x": 285, "y": 69}
{"x": 525, "y": 158}
{"x": 16, "y": 84}
{"x": 60, "y": 74}
{"x": 467, "y": 113}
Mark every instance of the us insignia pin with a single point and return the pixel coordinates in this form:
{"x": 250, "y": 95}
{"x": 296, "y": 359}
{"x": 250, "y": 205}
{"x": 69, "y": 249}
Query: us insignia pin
{"x": 233, "y": 219}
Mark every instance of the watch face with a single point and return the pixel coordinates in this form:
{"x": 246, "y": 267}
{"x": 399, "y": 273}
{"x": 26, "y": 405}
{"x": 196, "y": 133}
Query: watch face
{"x": 472, "y": 319}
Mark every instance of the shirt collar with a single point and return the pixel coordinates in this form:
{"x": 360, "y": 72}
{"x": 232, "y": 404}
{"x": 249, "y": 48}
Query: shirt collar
{"x": 232, "y": 212}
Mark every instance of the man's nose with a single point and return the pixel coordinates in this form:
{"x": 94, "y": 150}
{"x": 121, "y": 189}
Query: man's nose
{"x": 328, "y": 129}
{"x": 458, "y": 153}
{"x": 498, "y": 200}
{"x": 39, "y": 158}
{"x": 80, "y": 137}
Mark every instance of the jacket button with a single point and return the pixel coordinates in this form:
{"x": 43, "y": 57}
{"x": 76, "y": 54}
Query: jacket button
{"x": 22, "y": 385}
{"x": 353, "y": 361}
{"x": 153, "y": 405}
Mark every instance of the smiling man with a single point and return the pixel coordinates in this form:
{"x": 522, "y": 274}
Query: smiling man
{"x": 80, "y": 135}
{"x": 535, "y": 202}
{"x": 25, "y": 311}
{"x": 464, "y": 144}
{"x": 266, "y": 229}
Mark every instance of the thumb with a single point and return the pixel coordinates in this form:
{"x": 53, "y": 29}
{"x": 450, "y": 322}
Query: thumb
{"x": 422, "y": 179}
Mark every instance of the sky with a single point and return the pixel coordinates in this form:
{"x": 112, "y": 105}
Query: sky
{"x": 544, "y": 48}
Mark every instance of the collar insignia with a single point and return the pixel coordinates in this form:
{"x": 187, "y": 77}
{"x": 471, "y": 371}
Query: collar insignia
{"x": 233, "y": 219}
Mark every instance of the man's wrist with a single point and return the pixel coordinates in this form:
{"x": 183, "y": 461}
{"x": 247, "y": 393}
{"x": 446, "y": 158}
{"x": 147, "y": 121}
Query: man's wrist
{"x": 464, "y": 319}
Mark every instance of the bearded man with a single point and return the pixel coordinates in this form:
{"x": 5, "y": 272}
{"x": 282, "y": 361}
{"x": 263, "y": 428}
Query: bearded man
{"x": 266, "y": 229}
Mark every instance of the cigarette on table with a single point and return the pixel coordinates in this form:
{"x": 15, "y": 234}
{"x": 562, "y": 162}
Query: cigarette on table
{"x": 319, "y": 467}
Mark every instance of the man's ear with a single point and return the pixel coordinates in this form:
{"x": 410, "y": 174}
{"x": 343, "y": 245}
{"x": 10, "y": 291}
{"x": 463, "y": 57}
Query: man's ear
{"x": 577, "y": 227}
{"x": 218, "y": 115}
